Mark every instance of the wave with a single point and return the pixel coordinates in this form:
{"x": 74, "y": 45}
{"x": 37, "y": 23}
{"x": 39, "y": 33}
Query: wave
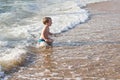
{"x": 21, "y": 20}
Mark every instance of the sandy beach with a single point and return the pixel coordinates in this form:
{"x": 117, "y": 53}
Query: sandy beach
{"x": 90, "y": 51}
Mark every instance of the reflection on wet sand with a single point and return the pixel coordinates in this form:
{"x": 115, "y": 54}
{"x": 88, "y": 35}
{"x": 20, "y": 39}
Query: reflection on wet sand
{"x": 48, "y": 64}
{"x": 86, "y": 62}
{"x": 90, "y": 51}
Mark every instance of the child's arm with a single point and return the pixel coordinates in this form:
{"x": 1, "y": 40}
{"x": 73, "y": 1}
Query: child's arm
{"x": 45, "y": 34}
{"x": 56, "y": 34}
{"x": 53, "y": 34}
{"x": 50, "y": 33}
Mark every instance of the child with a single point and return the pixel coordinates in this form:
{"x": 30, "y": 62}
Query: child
{"x": 44, "y": 37}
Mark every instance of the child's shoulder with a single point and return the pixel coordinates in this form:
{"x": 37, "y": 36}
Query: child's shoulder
{"x": 45, "y": 29}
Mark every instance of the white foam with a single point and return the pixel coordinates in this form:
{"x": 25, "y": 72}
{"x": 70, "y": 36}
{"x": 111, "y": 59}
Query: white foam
{"x": 12, "y": 57}
{"x": 12, "y": 54}
{"x": 22, "y": 25}
{"x": 92, "y": 1}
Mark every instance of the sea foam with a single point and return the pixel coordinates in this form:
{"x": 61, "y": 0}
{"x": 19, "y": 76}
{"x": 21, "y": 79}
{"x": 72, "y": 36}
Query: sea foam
{"x": 21, "y": 23}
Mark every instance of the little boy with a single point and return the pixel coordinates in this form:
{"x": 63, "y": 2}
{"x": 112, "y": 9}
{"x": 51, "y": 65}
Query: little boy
{"x": 44, "y": 37}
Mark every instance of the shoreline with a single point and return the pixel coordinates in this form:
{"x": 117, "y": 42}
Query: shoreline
{"x": 90, "y": 51}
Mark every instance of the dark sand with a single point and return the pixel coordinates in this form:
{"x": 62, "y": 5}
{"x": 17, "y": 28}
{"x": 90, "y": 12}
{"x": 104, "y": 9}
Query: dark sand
{"x": 90, "y": 51}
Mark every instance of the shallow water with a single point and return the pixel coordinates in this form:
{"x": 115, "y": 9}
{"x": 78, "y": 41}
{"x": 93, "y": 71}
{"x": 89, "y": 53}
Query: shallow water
{"x": 20, "y": 22}
{"x": 86, "y": 62}
{"x": 88, "y": 52}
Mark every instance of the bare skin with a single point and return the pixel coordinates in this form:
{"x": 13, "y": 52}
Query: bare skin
{"x": 45, "y": 32}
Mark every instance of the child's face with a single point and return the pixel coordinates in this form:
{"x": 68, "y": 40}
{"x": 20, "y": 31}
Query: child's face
{"x": 50, "y": 22}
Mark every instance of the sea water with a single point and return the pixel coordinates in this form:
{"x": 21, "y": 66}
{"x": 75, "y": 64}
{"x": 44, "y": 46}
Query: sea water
{"x": 21, "y": 22}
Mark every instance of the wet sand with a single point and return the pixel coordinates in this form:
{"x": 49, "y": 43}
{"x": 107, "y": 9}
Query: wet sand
{"x": 90, "y": 51}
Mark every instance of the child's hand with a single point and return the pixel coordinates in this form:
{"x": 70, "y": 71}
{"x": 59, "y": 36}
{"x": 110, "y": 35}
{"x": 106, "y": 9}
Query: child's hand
{"x": 49, "y": 40}
{"x": 56, "y": 34}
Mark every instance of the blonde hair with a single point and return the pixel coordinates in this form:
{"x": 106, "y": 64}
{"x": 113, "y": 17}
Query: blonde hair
{"x": 46, "y": 20}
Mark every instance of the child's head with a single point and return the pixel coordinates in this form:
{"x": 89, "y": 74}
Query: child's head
{"x": 47, "y": 21}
